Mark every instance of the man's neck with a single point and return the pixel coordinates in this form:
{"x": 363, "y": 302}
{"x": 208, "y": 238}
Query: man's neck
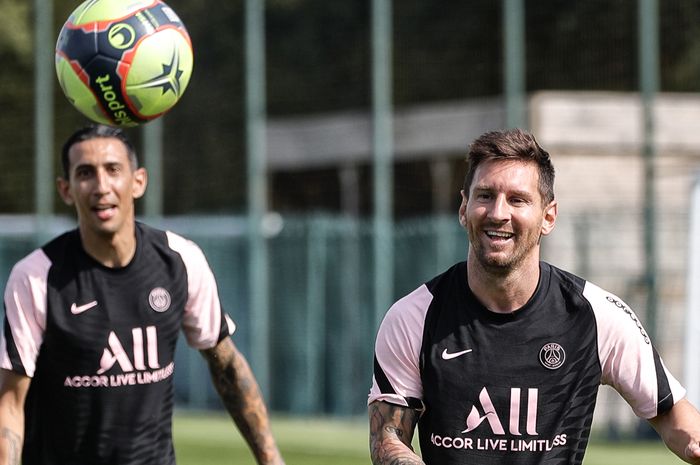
{"x": 111, "y": 250}
{"x": 503, "y": 292}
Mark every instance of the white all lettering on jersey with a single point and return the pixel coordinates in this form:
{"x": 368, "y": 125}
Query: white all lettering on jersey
{"x": 475, "y": 418}
{"x": 115, "y": 353}
{"x": 514, "y": 424}
{"x": 532, "y": 398}
{"x": 152, "y": 338}
{"x": 137, "y": 336}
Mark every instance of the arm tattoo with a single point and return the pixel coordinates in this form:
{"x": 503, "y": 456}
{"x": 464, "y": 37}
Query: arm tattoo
{"x": 14, "y": 446}
{"x": 391, "y": 432}
{"x": 240, "y": 394}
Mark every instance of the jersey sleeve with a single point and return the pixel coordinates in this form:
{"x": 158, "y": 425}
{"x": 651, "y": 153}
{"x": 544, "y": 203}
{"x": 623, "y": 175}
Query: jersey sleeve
{"x": 629, "y": 361}
{"x": 25, "y": 314}
{"x": 397, "y": 377}
{"x": 205, "y": 323}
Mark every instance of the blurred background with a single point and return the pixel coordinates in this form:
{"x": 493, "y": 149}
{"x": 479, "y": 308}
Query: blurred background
{"x": 318, "y": 153}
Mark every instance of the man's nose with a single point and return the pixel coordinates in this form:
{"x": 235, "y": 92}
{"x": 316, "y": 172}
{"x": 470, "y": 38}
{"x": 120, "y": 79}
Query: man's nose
{"x": 500, "y": 210}
{"x": 102, "y": 181}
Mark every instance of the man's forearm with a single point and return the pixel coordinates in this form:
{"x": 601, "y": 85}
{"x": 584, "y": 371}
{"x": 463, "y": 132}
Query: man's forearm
{"x": 13, "y": 391}
{"x": 241, "y": 396}
{"x": 393, "y": 452}
{"x": 680, "y": 430}
{"x": 10, "y": 446}
{"x": 391, "y": 431}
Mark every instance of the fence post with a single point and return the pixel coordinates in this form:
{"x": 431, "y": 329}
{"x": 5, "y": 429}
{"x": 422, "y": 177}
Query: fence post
{"x": 692, "y": 326}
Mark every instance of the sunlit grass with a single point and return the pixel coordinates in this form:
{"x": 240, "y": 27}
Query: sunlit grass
{"x": 212, "y": 439}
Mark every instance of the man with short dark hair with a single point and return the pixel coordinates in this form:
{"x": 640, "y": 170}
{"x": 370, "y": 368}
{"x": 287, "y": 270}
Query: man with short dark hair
{"x": 498, "y": 360}
{"x": 91, "y": 323}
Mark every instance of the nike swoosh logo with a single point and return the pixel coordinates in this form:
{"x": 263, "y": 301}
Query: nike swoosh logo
{"x": 449, "y": 356}
{"x": 78, "y": 309}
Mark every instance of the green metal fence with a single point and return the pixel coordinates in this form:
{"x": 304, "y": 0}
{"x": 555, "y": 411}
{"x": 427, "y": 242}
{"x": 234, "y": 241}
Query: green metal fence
{"x": 322, "y": 321}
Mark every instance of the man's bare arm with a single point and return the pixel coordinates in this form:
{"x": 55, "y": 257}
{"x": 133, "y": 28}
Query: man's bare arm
{"x": 239, "y": 391}
{"x": 680, "y": 430}
{"x": 390, "y": 434}
{"x": 13, "y": 391}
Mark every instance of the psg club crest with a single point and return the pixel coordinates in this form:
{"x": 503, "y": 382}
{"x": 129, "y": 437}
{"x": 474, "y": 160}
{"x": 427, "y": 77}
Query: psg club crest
{"x": 159, "y": 299}
{"x": 552, "y": 356}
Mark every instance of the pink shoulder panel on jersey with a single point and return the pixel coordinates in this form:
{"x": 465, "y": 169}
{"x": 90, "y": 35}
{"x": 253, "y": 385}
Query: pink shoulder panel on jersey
{"x": 202, "y": 321}
{"x": 25, "y": 310}
{"x": 626, "y": 354}
{"x": 397, "y": 349}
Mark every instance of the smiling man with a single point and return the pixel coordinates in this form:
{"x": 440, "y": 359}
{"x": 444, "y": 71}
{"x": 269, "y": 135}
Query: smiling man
{"x": 499, "y": 359}
{"x": 92, "y": 320}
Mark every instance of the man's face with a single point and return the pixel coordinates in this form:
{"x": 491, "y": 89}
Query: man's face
{"x": 504, "y": 215}
{"x": 102, "y": 185}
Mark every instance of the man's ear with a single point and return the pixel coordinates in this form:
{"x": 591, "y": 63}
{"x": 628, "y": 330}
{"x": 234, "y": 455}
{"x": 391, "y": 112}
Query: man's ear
{"x": 140, "y": 182}
{"x": 63, "y": 188}
{"x": 549, "y": 218}
{"x": 463, "y": 210}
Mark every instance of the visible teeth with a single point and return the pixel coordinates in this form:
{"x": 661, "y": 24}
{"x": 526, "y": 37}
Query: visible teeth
{"x": 502, "y": 234}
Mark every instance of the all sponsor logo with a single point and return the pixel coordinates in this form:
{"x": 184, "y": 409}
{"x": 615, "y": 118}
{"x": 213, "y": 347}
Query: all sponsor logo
{"x": 115, "y": 353}
{"x": 486, "y": 431}
{"x": 488, "y": 412}
{"x": 143, "y": 367}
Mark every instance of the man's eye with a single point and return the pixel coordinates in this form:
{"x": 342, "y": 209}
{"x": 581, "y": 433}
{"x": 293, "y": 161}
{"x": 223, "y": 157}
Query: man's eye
{"x": 519, "y": 201}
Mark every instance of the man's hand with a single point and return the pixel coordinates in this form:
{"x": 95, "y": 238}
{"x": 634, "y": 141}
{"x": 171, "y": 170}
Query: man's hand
{"x": 692, "y": 453}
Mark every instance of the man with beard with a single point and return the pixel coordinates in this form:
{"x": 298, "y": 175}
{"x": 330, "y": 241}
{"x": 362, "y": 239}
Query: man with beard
{"x": 498, "y": 359}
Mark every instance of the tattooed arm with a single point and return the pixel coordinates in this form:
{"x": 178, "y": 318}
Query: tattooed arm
{"x": 390, "y": 434}
{"x": 13, "y": 391}
{"x": 241, "y": 396}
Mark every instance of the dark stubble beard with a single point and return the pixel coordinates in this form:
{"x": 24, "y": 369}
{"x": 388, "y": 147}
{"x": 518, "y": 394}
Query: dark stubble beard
{"x": 502, "y": 266}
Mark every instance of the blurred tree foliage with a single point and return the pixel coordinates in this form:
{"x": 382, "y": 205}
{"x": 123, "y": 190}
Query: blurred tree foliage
{"x": 318, "y": 60}
{"x": 15, "y": 95}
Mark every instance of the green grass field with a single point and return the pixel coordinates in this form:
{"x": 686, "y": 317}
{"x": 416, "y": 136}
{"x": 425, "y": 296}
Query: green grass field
{"x": 206, "y": 439}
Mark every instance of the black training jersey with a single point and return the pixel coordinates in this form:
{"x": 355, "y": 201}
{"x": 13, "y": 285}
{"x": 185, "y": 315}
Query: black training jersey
{"x": 99, "y": 345}
{"x": 516, "y": 388}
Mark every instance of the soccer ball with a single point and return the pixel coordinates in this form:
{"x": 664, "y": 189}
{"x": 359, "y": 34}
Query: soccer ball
{"x": 123, "y": 62}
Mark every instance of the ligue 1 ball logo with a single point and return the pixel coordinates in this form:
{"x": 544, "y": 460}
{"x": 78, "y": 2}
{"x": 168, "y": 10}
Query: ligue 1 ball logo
{"x": 123, "y": 63}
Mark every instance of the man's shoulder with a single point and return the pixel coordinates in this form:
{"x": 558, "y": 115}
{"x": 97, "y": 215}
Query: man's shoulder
{"x": 32, "y": 265}
{"x": 62, "y": 244}
{"x": 456, "y": 274}
{"x": 415, "y": 306}
{"x": 601, "y": 301}
{"x": 151, "y": 234}
{"x": 35, "y": 266}
{"x": 568, "y": 282}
